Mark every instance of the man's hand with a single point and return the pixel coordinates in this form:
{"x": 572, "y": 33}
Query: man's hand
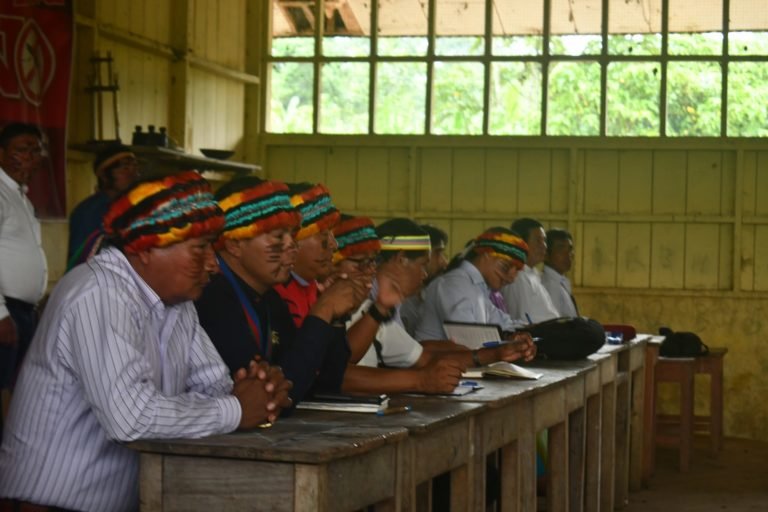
{"x": 266, "y": 387}
{"x": 390, "y": 292}
{"x": 342, "y": 297}
{"x": 523, "y": 343}
{"x": 254, "y": 398}
{"x": 278, "y": 386}
{"x": 8, "y": 334}
{"x": 440, "y": 376}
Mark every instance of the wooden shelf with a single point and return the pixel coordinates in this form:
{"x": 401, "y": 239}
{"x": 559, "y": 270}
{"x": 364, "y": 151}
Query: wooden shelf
{"x": 172, "y": 159}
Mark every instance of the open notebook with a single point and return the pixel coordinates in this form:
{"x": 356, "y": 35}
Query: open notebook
{"x": 501, "y": 369}
{"x": 472, "y": 335}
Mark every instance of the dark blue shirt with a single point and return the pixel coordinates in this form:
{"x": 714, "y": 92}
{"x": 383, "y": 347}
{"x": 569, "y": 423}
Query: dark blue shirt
{"x": 84, "y": 223}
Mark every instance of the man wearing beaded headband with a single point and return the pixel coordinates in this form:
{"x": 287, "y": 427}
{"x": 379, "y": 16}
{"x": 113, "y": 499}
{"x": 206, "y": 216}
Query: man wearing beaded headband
{"x": 241, "y": 312}
{"x": 389, "y": 359}
{"x": 316, "y": 246}
{"x": 120, "y": 356}
{"x": 490, "y": 262}
{"x": 116, "y": 169}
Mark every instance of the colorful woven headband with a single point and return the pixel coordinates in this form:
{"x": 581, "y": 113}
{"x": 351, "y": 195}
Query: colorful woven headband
{"x": 252, "y": 206}
{"x": 317, "y": 211}
{"x": 104, "y": 165}
{"x": 355, "y": 235}
{"x": 502, "y": 245}
{"x": 161, "y": 212}
{"x": 406, "y": 243}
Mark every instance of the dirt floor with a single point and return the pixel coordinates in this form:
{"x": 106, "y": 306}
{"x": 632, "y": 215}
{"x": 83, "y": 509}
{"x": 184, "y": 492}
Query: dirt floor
{"x": 737, "y": 480}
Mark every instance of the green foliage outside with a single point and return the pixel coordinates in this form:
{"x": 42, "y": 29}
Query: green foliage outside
{"x": 633, "y": 88}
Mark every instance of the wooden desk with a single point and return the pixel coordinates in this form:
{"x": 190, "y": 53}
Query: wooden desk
{"x": 440, "y": 439}
{"x": 295, "y": 465}
{"x": 516, "y": 411}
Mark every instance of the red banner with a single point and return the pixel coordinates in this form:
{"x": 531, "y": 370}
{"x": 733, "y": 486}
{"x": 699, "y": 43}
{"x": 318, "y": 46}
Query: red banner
{"x": 35, "y": 62}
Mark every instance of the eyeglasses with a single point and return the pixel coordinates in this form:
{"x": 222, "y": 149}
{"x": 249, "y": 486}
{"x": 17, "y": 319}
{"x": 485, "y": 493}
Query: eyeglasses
{"x": 363, "y": 262}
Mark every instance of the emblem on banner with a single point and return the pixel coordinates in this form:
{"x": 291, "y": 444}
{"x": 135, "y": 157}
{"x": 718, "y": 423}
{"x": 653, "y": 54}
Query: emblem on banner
{"x": 35, "y": 62}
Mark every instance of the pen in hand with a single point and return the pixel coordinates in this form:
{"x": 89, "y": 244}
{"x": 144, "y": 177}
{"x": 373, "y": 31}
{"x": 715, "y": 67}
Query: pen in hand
{"x": 393, "y": 410}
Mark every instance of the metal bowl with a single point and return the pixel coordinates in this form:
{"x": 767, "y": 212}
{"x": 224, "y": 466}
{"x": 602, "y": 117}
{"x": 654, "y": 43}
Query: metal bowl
{"x": 218, "y": 154}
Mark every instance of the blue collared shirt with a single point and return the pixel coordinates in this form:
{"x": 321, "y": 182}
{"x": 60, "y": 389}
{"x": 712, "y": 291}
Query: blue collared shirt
{"x": 460, "y": 295}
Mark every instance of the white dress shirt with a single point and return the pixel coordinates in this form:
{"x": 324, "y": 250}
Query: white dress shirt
{"x": 460, "y": 295}
{"x": 398, "y": 348}
{"x": 559, "y": 288}
{"x": 23, "y": 268}
{"x": 527, "y": 299}
{"x": 109, "y": 363}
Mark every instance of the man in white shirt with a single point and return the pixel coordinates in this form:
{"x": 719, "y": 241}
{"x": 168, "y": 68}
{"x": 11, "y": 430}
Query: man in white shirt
{"x": 410, "y": 309}
{"x": 526, "y": 298}
{"x": 558, "y": 262}
{"x": 23, "y": 268}
{"x": 120, "y": 355}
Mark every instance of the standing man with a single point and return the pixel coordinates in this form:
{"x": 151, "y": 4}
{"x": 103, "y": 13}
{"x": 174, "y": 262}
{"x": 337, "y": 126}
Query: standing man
{"x": 116, "y": 169}
{"x": 23, "y": 268}
{"x": 526, "y": 298}
{"x": 558, "y": 263}
{"x": 120, "y": 356}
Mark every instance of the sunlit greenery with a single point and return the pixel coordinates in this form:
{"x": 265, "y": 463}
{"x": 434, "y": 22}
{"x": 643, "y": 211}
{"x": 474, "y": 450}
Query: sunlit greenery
{"x": 633, "y": 91}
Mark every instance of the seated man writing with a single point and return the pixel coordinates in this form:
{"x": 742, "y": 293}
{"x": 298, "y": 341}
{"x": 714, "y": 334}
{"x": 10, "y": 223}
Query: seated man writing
{"x": 120, "y": 355}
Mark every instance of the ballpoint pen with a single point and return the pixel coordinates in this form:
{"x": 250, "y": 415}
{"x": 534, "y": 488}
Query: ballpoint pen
{"x": 393, "y": 410}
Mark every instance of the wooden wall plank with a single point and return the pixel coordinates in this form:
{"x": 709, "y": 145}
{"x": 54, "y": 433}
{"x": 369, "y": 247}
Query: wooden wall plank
{"x": 704, "y": 181}
{"x": 435, "y": 180}
{"x": 399, "y": 190}
{"x": 725, "y": 272}
{"x": 534, "y": 181}
{"x": 599, "y": 260}
{"x": 501, "y": 181}
{"x": 727, "y": 190}
{"x": 635, "y": 182}
{"x": 749, "y": 193}
{"x": 747, "y": 281}
{"x": 669, "y": 185}
{"x": 373, "y": 179}
{"x": 341, "y": 177}
{"x": 468, "y": 180}
{"x": 634, "y": 255}
{"x": 761, "y": 184}
{"x": 761, "y": 258}
{"x": 281, "y": 164}
{"x": 310, "y": 164}
{"x": 462, "y": 231}
{"x": 561, "y": 182}
{"x": 601, "y": 181}
{"x": 702, "y": 242}
{"x": 667, "y": 256}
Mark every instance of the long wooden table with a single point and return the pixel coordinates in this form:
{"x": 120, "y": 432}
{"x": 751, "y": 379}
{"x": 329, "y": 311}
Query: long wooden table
{"x": 592, "y": 410}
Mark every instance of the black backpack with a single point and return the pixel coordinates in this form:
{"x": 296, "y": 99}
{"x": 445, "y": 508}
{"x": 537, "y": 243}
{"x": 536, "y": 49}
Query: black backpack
{"x": 681, "y": 344}
{"x": 567, "y": 338}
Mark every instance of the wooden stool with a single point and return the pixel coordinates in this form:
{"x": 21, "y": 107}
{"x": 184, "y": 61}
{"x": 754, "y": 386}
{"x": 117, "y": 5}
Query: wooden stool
{"x": 712, "y": 364}
{"x": 679, "y": 370}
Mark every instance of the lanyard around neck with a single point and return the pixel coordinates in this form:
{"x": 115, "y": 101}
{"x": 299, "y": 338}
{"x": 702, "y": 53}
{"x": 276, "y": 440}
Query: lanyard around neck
{"x": 262, "y": 339}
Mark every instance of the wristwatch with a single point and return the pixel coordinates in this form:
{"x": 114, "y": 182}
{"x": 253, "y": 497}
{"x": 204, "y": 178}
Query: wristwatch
{"x": 374, "y": 313}
{"x": 476, "y": 359}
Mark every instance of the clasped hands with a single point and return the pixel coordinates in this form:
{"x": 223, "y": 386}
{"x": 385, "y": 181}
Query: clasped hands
{"x": 262, "y": 391}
